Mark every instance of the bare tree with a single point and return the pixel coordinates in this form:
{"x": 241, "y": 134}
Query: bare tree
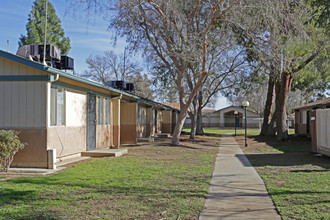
{"x": 167, "y": 29}
{"x": 111, "y": 66}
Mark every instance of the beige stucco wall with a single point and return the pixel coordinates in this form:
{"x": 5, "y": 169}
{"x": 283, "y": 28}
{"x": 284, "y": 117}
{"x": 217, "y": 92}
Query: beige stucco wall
{"x": 103, "y": 136}
{"x": 35, "y": 153}
{"x": 66, "y": 140}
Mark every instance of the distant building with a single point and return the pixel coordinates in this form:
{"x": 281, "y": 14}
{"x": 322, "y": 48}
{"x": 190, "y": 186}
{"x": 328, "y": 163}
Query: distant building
{"x": 226, "y": 118}
{"x": 303, "y": 115}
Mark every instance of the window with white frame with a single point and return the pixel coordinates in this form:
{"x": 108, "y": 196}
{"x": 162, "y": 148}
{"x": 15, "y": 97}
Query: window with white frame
{"x": 100, "y": 111}
{"x": 57, "y": 106}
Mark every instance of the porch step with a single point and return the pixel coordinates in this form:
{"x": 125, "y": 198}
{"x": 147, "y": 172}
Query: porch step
{"x": 146, "y": 139}
{"x": 162, "y": 135}
{"x": 105, "y": 153}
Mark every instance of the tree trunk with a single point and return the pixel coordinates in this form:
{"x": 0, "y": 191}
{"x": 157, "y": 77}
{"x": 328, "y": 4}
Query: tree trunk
{"x": 271, "y": 127}
{"x": 268, "y": 106}
{"x": 199, "y": 124}
{"x": 193, "y": 119}
{"x": 284, "y": 85}
{"x": 178, "y": 127}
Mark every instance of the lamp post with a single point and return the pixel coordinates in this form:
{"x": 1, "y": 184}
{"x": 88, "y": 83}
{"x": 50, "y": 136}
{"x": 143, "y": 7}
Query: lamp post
{"x": 245, "y": 104}
{"x": 235, "y": 113}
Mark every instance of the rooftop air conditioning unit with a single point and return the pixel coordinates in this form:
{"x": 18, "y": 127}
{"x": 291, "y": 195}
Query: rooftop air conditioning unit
{"x": 67, "y": 63}
{"x": 129, "y": 86}
{"x": 118, "y": 84}
{"x": 36, "y": 52}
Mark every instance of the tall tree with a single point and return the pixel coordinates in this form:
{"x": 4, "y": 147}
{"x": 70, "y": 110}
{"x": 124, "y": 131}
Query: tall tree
{"x": 36, "y": 27}
{"x": 285, "y": 43}
{"x": 167, "y": 29}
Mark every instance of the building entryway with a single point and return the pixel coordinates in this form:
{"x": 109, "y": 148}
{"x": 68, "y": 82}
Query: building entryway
{"x": 91, "y": 122}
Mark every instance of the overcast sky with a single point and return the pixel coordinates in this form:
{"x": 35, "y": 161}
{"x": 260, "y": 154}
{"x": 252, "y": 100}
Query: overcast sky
{"x": 87, "y": 38}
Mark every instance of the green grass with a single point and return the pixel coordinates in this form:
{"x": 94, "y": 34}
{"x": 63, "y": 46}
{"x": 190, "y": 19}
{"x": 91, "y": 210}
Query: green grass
{"x": 301, "y": 193}
{"x": 239, "y": 131}
{"x": 297, "y": 181}
{"x": 144, "y": 187}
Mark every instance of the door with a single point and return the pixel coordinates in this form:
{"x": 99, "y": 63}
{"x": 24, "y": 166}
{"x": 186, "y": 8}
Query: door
{"x": 237, "y": 122}
{"x": 91, "y": 122}
{"x": 308, "y": 122}
{"x": 156, "y": 121}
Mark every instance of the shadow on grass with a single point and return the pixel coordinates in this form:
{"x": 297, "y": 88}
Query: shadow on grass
{"x": 10, "y": 195}
{"x": 311, "y": 171}
{"x": 14, "y": 197}
{"x": 293, "y": 144}
{"x": 288, "y": 159}
{"x": 292, "y": 192}
{"x": 103, "y": 188}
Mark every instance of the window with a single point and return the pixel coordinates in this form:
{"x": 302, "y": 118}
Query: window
{"x": 107, "y": 111}
{"x": 57, "y": 106}
{"x": 142, "y": 118}
{"x": 100, "y": 111}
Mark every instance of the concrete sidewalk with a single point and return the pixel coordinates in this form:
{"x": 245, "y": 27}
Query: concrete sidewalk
{"x": 236, "y": 190}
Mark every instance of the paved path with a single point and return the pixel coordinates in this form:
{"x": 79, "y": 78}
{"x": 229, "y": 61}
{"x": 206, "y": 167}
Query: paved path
{"x": 236, "y": 190}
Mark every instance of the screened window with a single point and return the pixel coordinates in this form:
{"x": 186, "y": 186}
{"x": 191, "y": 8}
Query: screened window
{"x": 142, "y": 115}
{"x": 57, "y": 106}
{"x": 100, "y": 115}
{"x": 107, "y": 111}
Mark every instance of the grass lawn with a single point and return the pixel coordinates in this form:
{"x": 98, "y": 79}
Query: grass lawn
{"x": 153, "y": 181}
{"x": 298, "y": 182}
{"x": 239, "y": 131}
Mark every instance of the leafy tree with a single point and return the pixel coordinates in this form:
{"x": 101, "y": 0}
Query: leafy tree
{"x": 285, "y": 43}
{"x": 36, "y": 27}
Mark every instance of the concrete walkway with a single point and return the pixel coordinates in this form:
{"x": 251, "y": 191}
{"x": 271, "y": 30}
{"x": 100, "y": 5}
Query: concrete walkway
{"x": 236, "y": 190}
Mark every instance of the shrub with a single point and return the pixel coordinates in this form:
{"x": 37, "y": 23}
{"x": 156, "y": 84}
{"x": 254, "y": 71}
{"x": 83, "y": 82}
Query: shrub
{"x": 9, "y": 146}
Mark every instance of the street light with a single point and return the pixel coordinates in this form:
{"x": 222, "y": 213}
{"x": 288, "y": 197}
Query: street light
{"x": 245, "y": 104}
{"x": 235, "y": 113}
